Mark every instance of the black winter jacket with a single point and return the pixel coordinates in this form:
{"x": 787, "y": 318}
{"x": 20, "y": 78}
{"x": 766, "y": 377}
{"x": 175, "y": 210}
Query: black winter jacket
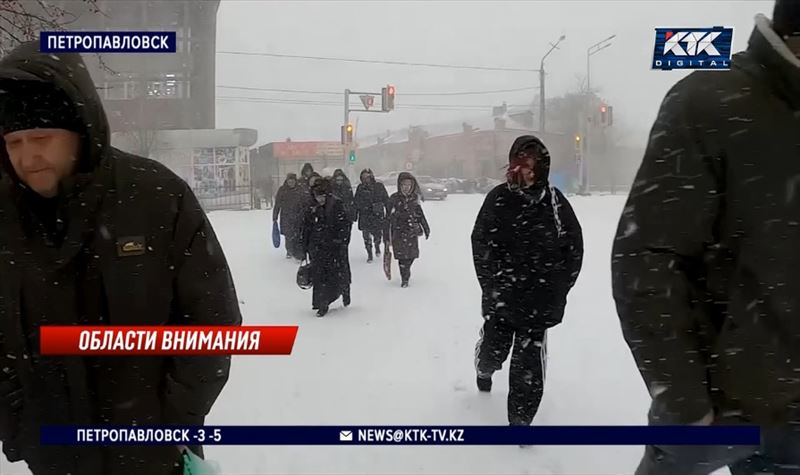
{"x": 706, "y": 262}
{"x": 370, "y": 205}
{"x": 524, "y": 266}
{"x": 132, "y": 247}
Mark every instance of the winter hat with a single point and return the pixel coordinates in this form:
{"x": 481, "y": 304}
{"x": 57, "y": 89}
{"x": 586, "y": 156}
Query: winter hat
{"x": 307, "y": 168}
{"x": 33, "y": 105}
{"x": 322, "y": 186}
{"x": 786, "y": 18}
{"x": 528, "y": 147}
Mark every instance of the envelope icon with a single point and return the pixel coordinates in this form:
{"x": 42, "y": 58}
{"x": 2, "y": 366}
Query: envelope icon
{"x": 345, "y": 436}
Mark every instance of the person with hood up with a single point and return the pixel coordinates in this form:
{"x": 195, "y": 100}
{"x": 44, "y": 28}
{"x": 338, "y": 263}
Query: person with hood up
{"x": 305, "y": 175}
{"x": 406, "y": 223}
{"x": 290, "y": 203}
{"x": 326, "y": 234}
{"x": 706, "y": 263}
{"x": 370, "y": 201}
{"x": 527, "y": 247}
{"x": 343, "y": 190}
{"x": 92, "y": 235}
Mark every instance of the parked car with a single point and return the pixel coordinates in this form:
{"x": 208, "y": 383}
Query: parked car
{"x": 431, "y": 188}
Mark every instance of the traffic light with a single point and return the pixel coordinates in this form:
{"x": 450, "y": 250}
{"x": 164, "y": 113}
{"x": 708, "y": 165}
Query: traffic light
{"x": 387, "y": 98}
{"x": 577, "y": 142}
{"x": 610, "y": 114}
{"x": 347, "y": 134}
{"x": 606, "y": 118}
{"x": 352, "y": 156}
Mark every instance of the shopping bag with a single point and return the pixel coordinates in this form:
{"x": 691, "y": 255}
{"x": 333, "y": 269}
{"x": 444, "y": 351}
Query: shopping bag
{"x": 276, "y": 235}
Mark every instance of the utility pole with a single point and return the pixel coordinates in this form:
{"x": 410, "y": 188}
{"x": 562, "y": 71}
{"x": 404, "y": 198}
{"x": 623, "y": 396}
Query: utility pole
{"x": 541, "y": 83}
{"x": 347, "y": 145}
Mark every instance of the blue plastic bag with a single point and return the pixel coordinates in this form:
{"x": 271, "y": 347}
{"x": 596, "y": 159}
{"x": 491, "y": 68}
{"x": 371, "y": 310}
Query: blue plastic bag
{"x": 276, "y": 235}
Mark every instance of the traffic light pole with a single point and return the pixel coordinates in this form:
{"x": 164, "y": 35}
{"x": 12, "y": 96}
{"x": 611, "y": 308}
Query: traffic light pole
{"x": 348, "y": 146}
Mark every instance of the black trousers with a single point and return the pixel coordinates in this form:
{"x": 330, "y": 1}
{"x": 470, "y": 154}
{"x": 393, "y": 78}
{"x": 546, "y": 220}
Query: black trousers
{"x": 528, "y": 364}
{"x": 405, "y": 268}
{"x": 293, "y": 246}
{"x": 778, "y": 454}
{"x": 369, "y": 235}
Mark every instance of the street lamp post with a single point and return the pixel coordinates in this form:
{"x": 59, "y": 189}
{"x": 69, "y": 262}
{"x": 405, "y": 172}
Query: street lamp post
{"x": 541, "y": 82}
{"x": 594, "y": 49}
{"x": 584, "y": 169}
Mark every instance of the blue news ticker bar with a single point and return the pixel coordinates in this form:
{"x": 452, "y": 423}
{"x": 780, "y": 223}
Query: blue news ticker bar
{"x": 413, "y": 435}
{"x": 108, "y": 42}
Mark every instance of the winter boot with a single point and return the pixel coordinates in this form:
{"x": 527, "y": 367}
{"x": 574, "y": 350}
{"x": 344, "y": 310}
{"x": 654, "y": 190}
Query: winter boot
{"x": 377, "y": 250}
{"x": 346, "y": 298}
{"x": 484, "y": 382}
{"x": 404, "y": 284}
{"x": 369, "y": 255}
{"x": 323, "y": 311}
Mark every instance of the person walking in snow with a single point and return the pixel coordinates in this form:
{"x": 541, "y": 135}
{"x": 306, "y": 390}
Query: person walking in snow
{"x": 326, "y": 234}
{"x": 527, "y": 247}
{"x": 290, "y": 202}
{"x": 706, "y": 266}
{"x": 343, "y": 190}
{"x": 305, "y": 175}
{"x": 406, "y": 223}
{"x": 92, "y": 235}
{"x": 370, "y": 201}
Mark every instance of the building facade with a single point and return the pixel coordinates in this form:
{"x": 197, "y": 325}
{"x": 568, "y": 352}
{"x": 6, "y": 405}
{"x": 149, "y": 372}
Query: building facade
{"x": 155, "y": 91}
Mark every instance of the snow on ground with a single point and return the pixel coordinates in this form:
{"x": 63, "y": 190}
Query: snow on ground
{"x": 405, "y": 356}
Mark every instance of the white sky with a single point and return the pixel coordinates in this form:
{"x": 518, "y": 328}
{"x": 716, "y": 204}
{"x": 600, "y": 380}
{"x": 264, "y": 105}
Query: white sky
{"x": 503, "y": 34}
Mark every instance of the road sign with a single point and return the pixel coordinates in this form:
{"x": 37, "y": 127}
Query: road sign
{"x": 368, "y": 101}
{"x": 409, "y": 166}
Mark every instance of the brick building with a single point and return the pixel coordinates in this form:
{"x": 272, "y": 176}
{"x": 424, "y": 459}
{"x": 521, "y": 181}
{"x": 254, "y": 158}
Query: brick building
{"x": 479, "y": 149}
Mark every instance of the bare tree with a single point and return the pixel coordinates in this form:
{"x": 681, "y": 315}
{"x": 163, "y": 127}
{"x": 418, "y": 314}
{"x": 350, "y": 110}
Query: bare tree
{"x": 23, "y": 20}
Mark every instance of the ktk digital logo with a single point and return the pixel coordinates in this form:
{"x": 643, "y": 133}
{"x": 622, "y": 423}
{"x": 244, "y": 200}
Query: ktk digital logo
{"x": 693, "y": 48}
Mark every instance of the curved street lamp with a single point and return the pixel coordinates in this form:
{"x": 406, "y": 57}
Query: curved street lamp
{"x": 594, "y": 49}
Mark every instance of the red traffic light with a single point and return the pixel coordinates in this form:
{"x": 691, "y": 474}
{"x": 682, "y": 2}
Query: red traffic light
{"x": 603, "y": 109}
{"x": 391, "y": 90}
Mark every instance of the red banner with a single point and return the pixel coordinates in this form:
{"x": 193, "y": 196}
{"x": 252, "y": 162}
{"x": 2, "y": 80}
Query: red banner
{"x": 307, "y": 150}
{"x": 190, "y": 340}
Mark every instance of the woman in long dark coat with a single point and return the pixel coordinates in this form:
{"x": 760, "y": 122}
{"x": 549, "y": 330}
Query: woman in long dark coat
{"x": 290, "y": 202}
{"x": 326, "y": 233}
{"x": 407, "y": 223}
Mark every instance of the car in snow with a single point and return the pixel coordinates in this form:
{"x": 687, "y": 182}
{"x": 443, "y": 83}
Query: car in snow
{"x": 431, "y": 188}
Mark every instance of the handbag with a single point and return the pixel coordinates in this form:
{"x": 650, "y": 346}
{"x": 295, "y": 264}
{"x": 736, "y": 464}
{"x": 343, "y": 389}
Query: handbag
{"x": 304, "y": 276}
{"x": 276, "y": 235}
